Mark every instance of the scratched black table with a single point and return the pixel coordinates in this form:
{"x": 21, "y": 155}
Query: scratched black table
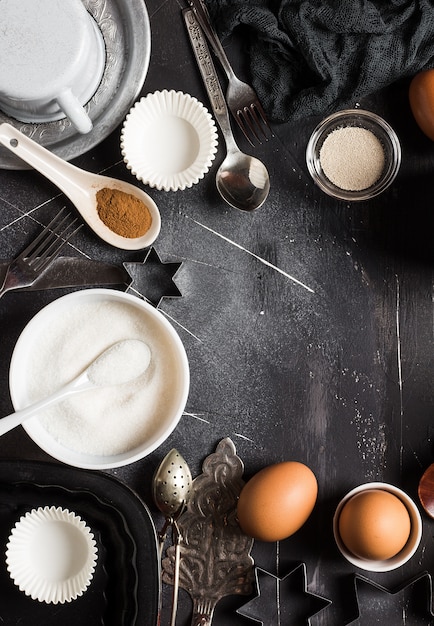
{"x": 308, "y": 325}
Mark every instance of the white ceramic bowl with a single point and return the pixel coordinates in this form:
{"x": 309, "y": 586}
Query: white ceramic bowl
{"x": 114, "y": 426}
{"x": 354, "y": 118}
{"x": 169, "y": 140}
{"x": 410, "y": 547}
{"x": 51, "y": 555}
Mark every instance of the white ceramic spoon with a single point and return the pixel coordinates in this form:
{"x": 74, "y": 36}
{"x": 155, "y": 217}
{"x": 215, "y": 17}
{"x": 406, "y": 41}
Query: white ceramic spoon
{"x": 122, "y": 362}
{"x": 81, "y": 187}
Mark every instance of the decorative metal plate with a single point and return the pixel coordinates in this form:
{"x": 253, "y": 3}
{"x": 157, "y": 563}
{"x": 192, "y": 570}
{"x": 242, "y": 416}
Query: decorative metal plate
{"x": 125, "y": 588}
{"x": 127, "y": 35}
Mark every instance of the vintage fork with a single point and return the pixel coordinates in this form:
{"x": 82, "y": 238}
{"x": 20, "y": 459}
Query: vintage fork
{"x": 241, "y": 98}
{"x": 24, "y": 270}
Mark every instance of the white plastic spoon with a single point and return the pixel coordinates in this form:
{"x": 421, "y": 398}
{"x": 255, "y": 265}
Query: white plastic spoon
{"x": 124, "y": 361}
{"x": 81, "y": 187}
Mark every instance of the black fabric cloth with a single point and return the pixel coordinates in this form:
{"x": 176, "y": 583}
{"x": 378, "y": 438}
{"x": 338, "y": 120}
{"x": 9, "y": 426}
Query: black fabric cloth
{"x": 316, "y": 56}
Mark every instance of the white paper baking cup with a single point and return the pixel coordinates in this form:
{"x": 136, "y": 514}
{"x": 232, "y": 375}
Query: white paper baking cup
{"x": 169, "y": 140}
{"x": 51, "y": 555}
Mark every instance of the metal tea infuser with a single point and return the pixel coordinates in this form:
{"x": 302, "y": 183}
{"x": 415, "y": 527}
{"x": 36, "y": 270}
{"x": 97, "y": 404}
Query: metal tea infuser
{"x": 170, "y": 489}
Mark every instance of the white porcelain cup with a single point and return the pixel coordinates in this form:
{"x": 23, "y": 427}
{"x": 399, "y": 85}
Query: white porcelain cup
{"x": 403, "y": 555}
{"x": 52, "y": 61}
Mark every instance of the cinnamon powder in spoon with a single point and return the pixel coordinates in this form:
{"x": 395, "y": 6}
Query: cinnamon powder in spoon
{"x": 123, "y": 213}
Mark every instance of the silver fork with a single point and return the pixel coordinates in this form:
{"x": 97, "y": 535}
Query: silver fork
{"x": 241, "y": 98}
{"x": 24, "y": 270}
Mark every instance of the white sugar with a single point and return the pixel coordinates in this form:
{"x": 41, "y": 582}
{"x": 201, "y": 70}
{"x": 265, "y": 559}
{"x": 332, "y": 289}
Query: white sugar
{"x": 123, "y": 362}
{"x": 111, "y": 420}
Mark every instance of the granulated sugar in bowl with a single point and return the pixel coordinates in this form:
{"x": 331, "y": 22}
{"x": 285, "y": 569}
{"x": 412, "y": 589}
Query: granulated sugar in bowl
{"x": 112, "y": 426}
{"x": 353, "y": 155}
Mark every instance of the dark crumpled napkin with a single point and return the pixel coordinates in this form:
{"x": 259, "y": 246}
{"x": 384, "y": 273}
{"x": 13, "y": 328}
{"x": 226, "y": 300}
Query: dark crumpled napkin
{"x": 316, "y": 56}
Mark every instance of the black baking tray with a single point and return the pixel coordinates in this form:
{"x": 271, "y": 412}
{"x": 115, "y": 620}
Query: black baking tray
{"x": 125, "y": 587}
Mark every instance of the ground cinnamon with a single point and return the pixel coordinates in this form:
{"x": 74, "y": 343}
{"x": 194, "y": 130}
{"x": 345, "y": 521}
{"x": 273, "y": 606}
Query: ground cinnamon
{"x": 123, "y": 213}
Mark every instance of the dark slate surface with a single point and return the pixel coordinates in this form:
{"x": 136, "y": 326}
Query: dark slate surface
{"x": 308, "y": 325}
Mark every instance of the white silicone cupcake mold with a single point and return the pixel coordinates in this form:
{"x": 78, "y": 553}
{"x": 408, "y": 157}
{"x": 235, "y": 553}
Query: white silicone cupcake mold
{"x": 51, "y": 555}
{"x": 169, "y": 140}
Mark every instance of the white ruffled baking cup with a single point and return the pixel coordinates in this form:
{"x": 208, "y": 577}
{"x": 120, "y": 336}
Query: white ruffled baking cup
{"x": 51, "y": 555}
{"x": 169, "y": 140}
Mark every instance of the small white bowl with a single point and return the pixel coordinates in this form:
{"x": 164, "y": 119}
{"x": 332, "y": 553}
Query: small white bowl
{"x": 114, "y": 426}
{"x": 407, "y": 551}
{"x": 169, "y": 140}
{"x": 51, "y": 555}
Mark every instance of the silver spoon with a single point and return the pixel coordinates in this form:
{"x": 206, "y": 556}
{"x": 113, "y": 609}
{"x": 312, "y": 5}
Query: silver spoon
{"x": 170, "y": 489}
{"x": 122, "y": 362}
{"x": 242, "y": 180}
{"x": 81, "y": 187}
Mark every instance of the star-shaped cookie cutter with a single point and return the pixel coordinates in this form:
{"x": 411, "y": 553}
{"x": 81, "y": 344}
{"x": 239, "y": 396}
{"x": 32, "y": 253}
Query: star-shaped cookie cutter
{"x": 400, "y": 603}
{"x": 294, "y": 604}
{"x": 153, "y": 280}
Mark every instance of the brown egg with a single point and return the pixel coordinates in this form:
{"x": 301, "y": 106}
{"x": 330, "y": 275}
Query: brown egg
{"x": 277, "y": 501}
{"x": 421, "y": 96}
{"x": 374, "y": 524}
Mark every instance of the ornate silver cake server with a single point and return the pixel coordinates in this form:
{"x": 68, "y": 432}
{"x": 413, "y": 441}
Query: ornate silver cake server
{"x": 215, "y": 554}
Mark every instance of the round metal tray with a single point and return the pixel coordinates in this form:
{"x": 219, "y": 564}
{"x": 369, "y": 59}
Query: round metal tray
{"x": 127, "y": 35}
